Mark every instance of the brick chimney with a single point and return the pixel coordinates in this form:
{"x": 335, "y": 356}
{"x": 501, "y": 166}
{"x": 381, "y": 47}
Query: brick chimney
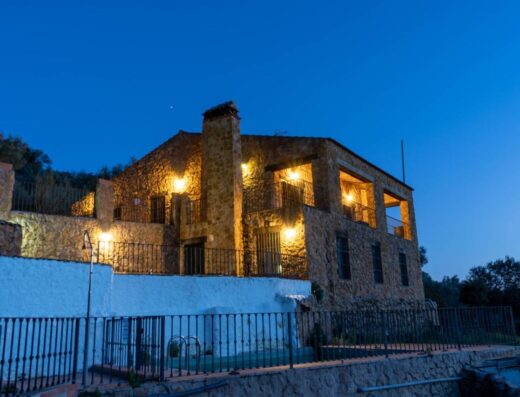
{"x": 222, "y": 176}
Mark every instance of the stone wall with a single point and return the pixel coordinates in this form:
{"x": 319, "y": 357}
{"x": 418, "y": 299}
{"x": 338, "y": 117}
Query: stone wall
{"x": 61, "y": 237}
{"x": 10, "y": 239}
{"x": 338, "y": 379}
{"x": 155, "y": 174}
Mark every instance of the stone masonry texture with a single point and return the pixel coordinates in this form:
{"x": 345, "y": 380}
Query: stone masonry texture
{"x": 341, "y": 379}
{"x": 236, "y": 187}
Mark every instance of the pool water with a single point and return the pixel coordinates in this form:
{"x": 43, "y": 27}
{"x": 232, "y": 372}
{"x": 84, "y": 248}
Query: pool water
{"x": 512, "y": 375}
{"x": 508, "y": 369}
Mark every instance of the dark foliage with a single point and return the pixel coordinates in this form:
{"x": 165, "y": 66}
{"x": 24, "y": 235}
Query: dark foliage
{"x": 31, "y": 164}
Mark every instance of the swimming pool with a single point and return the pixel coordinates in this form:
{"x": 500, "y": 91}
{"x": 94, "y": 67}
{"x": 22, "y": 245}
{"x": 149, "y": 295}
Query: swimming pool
{"x": 507, "y": 368}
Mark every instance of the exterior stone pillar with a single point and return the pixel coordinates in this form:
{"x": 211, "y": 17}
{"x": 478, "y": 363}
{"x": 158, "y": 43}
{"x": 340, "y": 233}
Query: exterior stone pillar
{"x": 222, "y": 176}
{"x": 105, "y": 201}
{"x": 6, "y": 190}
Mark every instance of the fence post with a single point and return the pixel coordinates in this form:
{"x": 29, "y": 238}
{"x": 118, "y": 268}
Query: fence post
{"x": 289, "y": 331}
{"x": 85, "y": 351}
{"x": 385, "y": 332}
{"x": 513, "y": 327}
{"x": 162, "y": 348}
{"x": 138, "y": 347}
{"x": 76, "y": 351}
{"x": 457, "y": 328}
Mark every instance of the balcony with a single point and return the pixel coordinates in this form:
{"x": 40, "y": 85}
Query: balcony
{"x": 138, "y": 258}
{"x": 360, "y": 213}
{"x": 278, "y": 195}
{"x": 397, "y": 227}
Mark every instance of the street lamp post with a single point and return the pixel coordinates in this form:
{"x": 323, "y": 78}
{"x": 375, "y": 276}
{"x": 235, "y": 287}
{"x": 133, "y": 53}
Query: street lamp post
{"x": 86, "y": 240}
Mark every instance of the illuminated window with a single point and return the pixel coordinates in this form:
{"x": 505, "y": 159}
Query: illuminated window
{"x": 293, "y": 185}
{"x": 357, "y": 198}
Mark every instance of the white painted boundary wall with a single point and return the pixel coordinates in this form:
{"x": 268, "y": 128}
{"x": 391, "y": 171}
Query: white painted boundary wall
{"x": 41, "y": 287}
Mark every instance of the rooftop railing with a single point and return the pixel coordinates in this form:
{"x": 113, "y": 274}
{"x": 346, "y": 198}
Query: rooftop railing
{"x": 48, "y": 197}
{"x": 262, "y": 196}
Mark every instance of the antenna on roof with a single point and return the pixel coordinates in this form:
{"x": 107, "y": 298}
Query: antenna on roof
{"x": 402, "y": 161}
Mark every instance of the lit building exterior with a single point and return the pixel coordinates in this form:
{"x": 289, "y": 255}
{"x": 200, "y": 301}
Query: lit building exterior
{"x": 276, "y": 205}
{"x": 224, "y": 203}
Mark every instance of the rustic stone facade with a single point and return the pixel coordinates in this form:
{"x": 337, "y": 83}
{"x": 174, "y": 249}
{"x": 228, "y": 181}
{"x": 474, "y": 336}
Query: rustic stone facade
{"x": 221, "y": 189}
{"x": 10, "y": 239}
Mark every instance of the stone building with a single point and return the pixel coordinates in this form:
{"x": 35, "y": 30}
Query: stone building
{"x": 226, "y": 203}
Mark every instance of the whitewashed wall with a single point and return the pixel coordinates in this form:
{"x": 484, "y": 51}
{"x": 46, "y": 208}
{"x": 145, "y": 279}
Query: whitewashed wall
{"x": 38, "y": 287}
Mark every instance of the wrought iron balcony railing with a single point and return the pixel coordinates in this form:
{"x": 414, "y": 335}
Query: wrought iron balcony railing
{"x": 142, "y": 258}
{"x": 360, "y": 213}
{"x": 277, "y": 195}
{"x": 398, "y": 228}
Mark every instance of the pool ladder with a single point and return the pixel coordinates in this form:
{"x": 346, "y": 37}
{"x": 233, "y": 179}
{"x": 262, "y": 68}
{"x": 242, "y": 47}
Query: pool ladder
{"x": 184, "y": 340}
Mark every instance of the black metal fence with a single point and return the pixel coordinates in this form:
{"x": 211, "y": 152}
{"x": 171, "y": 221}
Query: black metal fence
{"x": 140, "y": 258}
{"x": 47, "y": 197}
{"x": 143, "y": 258}
{"x": 36, "y": 353}
{"x": 269, "y": 196}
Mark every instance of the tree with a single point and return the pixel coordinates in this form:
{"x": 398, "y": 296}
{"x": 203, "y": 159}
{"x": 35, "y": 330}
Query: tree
{"x": 423, "y": 259}
{"x": 27, "y": 162}
{"x": 445, "y": 292}
{"x": 31, "y": 164}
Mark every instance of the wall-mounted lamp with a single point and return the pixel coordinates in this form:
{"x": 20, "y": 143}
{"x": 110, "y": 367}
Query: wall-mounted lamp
{"x": 105, "y": 237}
{"x": 349, "y": 197}
{"x": 293, "y": 175}
{"x": 245, "y": 169}
{"x": 179, "y": 185}
{"x": 289, "y": 233}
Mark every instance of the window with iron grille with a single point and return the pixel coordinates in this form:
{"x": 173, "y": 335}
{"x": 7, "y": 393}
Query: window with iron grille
{"x": 404, "y": 270}
{"x": 268, "y": 252}
{"x": 343, "y": 257}
{"x": 377, "y": 263}
{"x": 158, "y": 209}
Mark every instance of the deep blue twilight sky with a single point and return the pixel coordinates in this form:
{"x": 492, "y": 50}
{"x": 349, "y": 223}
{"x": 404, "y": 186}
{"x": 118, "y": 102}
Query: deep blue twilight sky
{"x": 95, "y": 82}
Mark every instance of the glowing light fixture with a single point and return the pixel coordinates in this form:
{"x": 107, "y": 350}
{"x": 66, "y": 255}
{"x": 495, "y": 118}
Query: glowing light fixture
{"x": 349, "y": 198}
{"x": 179, "y": 185}
{"x": 105, "y": 237}
{"x": 293, "y": 175}
{"x": 289, "y": 233}
{"x": 245, "y": 169}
